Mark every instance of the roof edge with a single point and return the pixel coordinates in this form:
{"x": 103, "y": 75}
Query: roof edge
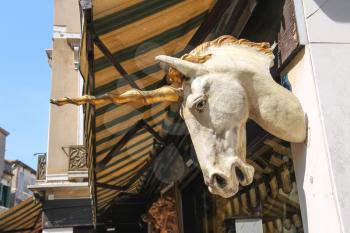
{"x": 4, "y": 131}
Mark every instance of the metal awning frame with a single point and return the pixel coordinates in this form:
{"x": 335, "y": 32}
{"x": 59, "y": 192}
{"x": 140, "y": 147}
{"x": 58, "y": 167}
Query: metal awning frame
{"x": 37, "y": 218}
{"x": 93, "y": 39}
{"x": 89, "y": 88}
{"x": 27, "y": 229}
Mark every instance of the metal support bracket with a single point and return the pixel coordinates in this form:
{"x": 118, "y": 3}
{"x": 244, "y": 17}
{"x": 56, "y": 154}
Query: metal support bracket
{"x": 98, "y": 42}
{"x": 85, "y": 4}
{"x": 117, "y": 147}
{"x": 122, "y": 142}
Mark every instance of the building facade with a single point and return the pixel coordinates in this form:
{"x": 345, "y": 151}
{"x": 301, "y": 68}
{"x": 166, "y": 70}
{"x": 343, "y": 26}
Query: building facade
{"x": 136, "y": 170}
{"x": 62, "y": 173}
{"x": 295, "y": 186}
{"x": 23, "y": 177}
{"x": 5, "y": 186}
{"x": 5, "y": 177}
{"x": 3, "y": 135}
{"x": 15, "y": 176}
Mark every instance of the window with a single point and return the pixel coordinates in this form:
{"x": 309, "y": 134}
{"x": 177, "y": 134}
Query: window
{"x": 20, "y": 185}
{"x": 5, "y": 195}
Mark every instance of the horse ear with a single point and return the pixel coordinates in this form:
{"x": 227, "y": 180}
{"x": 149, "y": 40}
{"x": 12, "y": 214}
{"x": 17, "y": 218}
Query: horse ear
{"x": 164, "y": 66}
{"x": 188, "y": 69}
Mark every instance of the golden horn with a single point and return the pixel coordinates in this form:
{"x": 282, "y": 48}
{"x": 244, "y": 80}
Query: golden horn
{"x": 165, "y": 93}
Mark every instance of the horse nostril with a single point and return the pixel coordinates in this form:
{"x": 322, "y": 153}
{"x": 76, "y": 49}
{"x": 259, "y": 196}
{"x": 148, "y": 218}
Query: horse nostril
{"x": 220, "y": 181}
{"x": 239, "y": 174}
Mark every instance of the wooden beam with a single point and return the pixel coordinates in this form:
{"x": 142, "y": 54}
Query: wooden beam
{"x": 110, "y": 186}
{"x": 117, "y": 147}
{"x": 112, "y": 60}
{"x": 91, "y": 91}
{"x": 200, "y": 35}
{"x": 85, "y": 4}
{"x": 37, "y": 219}
{"x": 154, "y": 133}
{"x": 131, "y": 181}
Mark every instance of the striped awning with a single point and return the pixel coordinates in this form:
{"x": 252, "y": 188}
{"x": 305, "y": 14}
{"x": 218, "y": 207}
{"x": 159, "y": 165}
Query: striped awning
{"x": 24, "y": 217}
{"x": 120, "y": 40}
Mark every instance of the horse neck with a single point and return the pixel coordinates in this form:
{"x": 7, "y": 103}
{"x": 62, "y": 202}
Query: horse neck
{"x": 274, "y": 108}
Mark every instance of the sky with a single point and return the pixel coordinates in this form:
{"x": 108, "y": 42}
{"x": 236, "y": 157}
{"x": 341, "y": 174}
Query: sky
{"x": 25, "y": 77}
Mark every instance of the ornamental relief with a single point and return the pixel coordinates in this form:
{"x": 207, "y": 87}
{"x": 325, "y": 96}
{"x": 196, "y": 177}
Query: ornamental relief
{"x": 77, "y": 158}
{"x": 162, "y": 216}
{"x": 41, "y": 170}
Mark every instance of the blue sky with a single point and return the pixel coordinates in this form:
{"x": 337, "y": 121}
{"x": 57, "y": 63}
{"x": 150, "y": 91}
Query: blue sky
{"x": 26, "y": 31}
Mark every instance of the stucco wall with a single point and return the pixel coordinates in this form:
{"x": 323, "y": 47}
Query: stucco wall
{"x": 312, "y": 170}
{"x": 321, "y": 80}
{"x": 67, "y": 14}
{"x": 328, "y": 28}
{"x": 22, "y": 178}
{"x": 64, "y": 121}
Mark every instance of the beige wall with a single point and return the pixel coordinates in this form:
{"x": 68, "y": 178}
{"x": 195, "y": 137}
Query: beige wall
{"x": 312, "y": 171}
{"x": 67, "y": 14}
{"x": 22, "y": 178}
{"x": 320, "y": 80}
{"x": 64, "y": 121}
{"x": 71, "y": 192}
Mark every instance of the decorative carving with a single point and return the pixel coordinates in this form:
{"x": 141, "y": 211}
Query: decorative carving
{"x": 222, "y": 83}
{"x": 41, "y": 169}
{"x": 162, "y": 215}
{"x": 77, "y": 158}
{"x": 220, "y": 93}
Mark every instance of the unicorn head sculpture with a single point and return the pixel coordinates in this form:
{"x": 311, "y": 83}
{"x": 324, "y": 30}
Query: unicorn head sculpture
{"x": 221, "y": 84}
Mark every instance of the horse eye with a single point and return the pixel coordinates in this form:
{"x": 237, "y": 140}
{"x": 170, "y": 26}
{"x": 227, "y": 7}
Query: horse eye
{"x": 200, "y": 105}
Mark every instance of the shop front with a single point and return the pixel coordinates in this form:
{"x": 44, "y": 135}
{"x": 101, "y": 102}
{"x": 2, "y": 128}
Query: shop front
{"x": 144, "y": 173}
{"x": 271, "y": 202}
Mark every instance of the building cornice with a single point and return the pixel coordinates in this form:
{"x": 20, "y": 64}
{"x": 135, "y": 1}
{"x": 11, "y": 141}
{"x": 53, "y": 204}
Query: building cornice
{"x": 54, "y": 185}
{"x": 4, "y": 132}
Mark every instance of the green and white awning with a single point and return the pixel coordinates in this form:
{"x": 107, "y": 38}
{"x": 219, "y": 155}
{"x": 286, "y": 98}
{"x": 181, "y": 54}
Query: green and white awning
{"x": 133, "y": 32}
{"x": 24, "y": 217}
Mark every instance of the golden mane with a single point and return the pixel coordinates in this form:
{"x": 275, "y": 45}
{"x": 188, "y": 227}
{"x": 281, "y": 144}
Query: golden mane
{"x": 176, "y": 77}
{"x": 263, "y": 47}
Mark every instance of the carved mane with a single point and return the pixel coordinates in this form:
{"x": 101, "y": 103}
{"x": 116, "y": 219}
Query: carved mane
{"x": 196, "y": 57}
{"x": 263, "y": 47}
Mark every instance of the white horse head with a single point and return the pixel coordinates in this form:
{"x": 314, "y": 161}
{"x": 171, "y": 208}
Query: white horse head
{"x": 225, "y": 82}
{"x": 221, "y": 84}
